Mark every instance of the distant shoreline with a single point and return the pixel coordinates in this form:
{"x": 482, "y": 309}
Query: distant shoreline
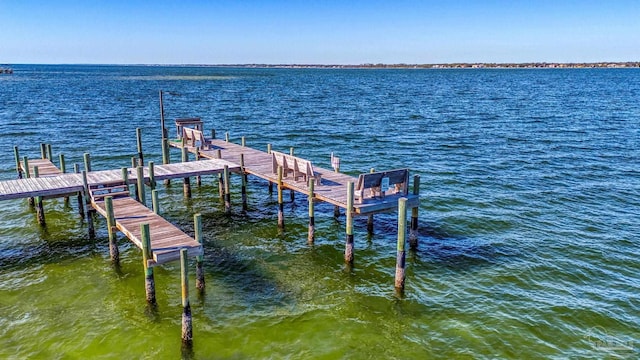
{"x": 630, "y": 64}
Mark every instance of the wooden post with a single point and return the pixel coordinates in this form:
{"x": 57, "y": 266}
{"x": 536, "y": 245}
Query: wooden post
{"x": 312, "y": 221}
{"x": 402, "y": 233}
{"x": 197, "y": 226}
{"x": 25, "y": 166}
{"x": 243, "y": 142}
{"x": 43, "y": 150}
{"x": 152, "y": 176}
{"x": 166, "y": 156}
{"x": 139, "y": 141}
{"x": 76, "y": 169}
{"x": 243, "y": 176}
{"x": 164, "y": 130}
{"x": 87, "y": 203}
{"x": 154, "y": 201}
{"x": 27, "y": 172}
{"x": 39, "y": 204}
{"x": 348, "y": 250}
{"x": 413, "y": 232}
{"x": 198, "y": 178}
{"x": 125, "y": 178}
{"x": 149, "y": 281}
{"x": 213, "y": 133}
{"x": 187, "y": 323}
{"x": 370, "y": 218}
{"x": 140, "y": 187}
{"x": 186, "y": 182}
{"x": 292, "y": 193}
{"x": 87, "y": 162}
{"x": 226, "y": 136}
{"x": 49, "y": 153}
{"x": 63, "y": 165}
{"x": 111, "y": 228}
{"x": 270, "y": 183}
{"x": 280, "y": 202}
{"x": 63, "y": 169}
{"x": 227, "y": 192}
{"x": 16, "y": 153}
{"x": 336, "y": 168}
{"x": 220, "y": 177}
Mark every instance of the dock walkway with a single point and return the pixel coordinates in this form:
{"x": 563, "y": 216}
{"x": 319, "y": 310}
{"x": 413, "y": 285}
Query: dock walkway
{"x": 333, "y": 187}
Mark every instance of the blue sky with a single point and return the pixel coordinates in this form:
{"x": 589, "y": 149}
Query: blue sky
{"x": 317, "y": 32}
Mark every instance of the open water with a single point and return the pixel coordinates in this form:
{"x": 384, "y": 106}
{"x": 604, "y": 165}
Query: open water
{"x": 529, "y": 219}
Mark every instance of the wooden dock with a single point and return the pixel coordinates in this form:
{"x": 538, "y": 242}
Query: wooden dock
{"x": 59, "y": 184}
{"x": 166, "y": 239}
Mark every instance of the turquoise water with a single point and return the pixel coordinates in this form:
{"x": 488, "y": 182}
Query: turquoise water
{"x": 528, "y": 221}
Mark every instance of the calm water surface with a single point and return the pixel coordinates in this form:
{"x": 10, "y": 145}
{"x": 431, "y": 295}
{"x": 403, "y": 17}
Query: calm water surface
{"x": 528, "y": 223}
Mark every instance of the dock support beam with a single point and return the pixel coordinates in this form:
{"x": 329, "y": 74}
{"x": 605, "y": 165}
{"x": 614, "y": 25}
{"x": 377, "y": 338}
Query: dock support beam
{"x": 152, "y": 176}
{"x": 87, "y": 162}
{"x": 197, "y": 226}
{"x": 187, "y": 321}
{"x": 49, "y": 153}
{"x": 155, "y": 203}
{"x": 39, "y": 204}
{"x": 43, "y": 150}
{"x": 348, "y": 250}
{"x": 166, "y": 155}
{"x": 243, "y": 190}
{"x": 111, "y": 228}
{"x": 149, "y": 281}
{"x": 227, "y": 190}
{"x": 312, "y": 221}
{"x": 402, "y": 234}
{"x": 413, "y": 232}
{"x": 187, "y": 181}
{"x": 280, "y": 201}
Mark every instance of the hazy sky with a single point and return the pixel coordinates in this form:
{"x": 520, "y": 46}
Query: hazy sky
{"x": 317, "y": 32}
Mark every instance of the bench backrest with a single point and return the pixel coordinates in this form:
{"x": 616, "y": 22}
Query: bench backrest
{"x": 191, "y": 137}
{"x": 399, "y": 179}
{"x": 291, "y": 164}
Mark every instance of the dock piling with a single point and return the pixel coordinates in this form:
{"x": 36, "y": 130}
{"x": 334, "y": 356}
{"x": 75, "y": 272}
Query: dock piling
{"x": 370, "y": 218}
{"x": 220, "y": 177}
{"x": 149, "y": 281}
{"x": 49, "y": 152}
{"x": 38, "y": 202}
{"x": 166, "y": 155}
{"x": 348, "y": 251}
{"x": 292, "y": 192}
{"x": 312, "y": 224}
{"x": 139, "y": 142}
{"x": 87, "y": 162}
{"x": 197, "y": 226}
{"x": 186, "y": 182}
{"x": 413, "y": 232}
{"x": 280, "y": 202}
{"x": 243, "y": 176}
{"x": 16, "y": 153}
{"x": 270, "y": 183}
{"x": 111, "y": 228}
{"x": 125, "y": 178}
{"x": 227, "y": 191}
{"x": 140, "y": 186}
{"x": 87, "y": 203}
{"x": 43, "y": 150}
{"x": 154, "y": 201}
{"x": 152, "y": 176}
{"x": 76, "y": 169}
{"x": 187, "y": 321}
{"x": 402, "y": 233}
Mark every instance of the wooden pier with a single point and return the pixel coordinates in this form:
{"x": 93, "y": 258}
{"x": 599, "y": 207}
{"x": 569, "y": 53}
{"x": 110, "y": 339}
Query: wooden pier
{"x": 108, "y": 193}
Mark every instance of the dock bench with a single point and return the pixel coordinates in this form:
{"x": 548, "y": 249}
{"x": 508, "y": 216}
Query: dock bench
{"x": 194, "y": 138}
{"x": 297, "y": 167}
{"x": 382, "y": 183}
